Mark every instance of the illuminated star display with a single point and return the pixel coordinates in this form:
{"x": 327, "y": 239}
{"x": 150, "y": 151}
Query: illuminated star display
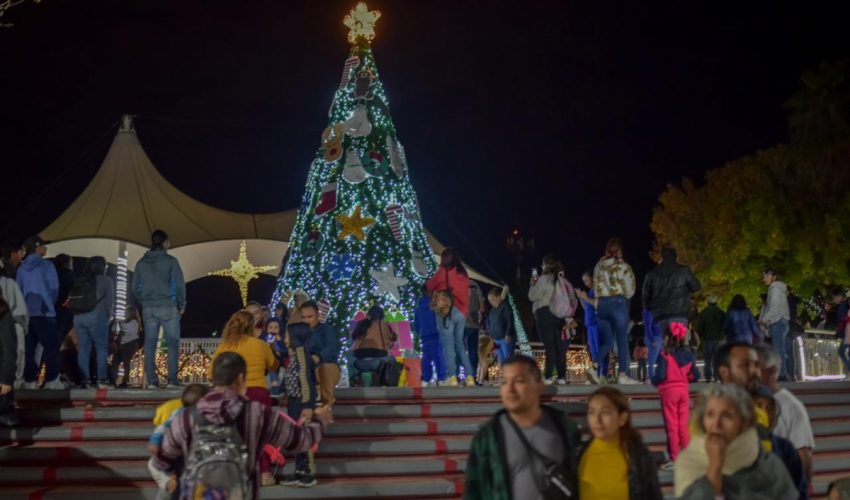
{"x": 361, "y": 23}
{"x": 242, "y": 271}
{"x": 354, "y": 224}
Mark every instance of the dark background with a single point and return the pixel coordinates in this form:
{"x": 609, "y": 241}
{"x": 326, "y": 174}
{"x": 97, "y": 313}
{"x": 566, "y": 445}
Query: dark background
{"x": 564, "y": 119}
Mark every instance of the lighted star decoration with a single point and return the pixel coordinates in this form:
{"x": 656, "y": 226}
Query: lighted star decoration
{"x": 388, "y": 282}
{"x": 354, "y": 224}
{"x": 242, "y": 271}
{"x": 361, "y": 23}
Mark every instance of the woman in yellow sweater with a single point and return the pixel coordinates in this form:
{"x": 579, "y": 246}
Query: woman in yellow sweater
{"x": 615, "y": 464}
{"x": 239, "y": 337}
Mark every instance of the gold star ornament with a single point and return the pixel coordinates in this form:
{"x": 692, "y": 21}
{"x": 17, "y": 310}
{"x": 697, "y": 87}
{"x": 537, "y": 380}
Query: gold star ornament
{"x": 242, "y": 271}
{"x": 354, "y": 224}
{"x": 361, "y": 23}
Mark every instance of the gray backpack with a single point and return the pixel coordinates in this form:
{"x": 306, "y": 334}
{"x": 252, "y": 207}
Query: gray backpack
{"x": 216, "y": 467}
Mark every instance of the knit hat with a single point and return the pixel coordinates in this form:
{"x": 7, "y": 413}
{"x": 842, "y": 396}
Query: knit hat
{"x": 712, "y": 299}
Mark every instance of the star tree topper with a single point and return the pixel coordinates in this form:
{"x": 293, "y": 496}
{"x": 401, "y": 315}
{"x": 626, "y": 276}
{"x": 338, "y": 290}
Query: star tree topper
{"x": 354, "y": 224}
{"x": 361, "y": 23}
{"x": 388, "y": 282}
{"x": 242, "y": 271}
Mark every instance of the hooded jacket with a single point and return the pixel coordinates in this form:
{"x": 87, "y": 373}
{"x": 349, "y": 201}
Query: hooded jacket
{"x": 257, "y": 424}
{"x": 324, "y": 343}
{"x": 300, "y": 379}
{"x": 425, "y": 321}
{"x": 15, "y": 298}
{"x": 777, "y": 303}
{"x": 158, "y": 280}
{"x": 667, "y": 290}
{"x": 40, "y": 285}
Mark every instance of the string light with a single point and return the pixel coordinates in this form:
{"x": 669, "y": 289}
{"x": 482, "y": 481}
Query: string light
{"x": 242, "y": 271}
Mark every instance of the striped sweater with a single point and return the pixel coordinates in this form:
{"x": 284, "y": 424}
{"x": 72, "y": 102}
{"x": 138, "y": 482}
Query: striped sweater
{"x": 257, "y": 424}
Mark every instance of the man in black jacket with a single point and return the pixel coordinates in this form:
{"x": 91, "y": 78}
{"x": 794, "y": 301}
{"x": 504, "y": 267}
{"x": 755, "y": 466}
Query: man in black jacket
{"x": 667, "y": 291}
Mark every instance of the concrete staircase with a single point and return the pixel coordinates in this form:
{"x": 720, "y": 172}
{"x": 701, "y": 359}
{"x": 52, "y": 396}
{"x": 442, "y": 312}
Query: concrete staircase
{"x": 400, "y": 443}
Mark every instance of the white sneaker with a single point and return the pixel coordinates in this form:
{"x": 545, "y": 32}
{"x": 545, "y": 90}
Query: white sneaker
{"x": 668, "y": 465}
{"x": 561, "y": 381}
{"x": 624, "y": 379}
{"x": 55, "y": 385}
{"x": 592, "y": 376}
{"x": 30, "y": 385}
{"x": 425, "y": 384}
{"x": 548, "y": 381}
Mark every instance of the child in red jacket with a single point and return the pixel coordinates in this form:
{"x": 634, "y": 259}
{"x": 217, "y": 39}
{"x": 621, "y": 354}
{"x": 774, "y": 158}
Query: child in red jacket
{"x": 674, "y": 371}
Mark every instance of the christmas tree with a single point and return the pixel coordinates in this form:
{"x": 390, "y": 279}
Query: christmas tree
{"x": 358, "y": 240}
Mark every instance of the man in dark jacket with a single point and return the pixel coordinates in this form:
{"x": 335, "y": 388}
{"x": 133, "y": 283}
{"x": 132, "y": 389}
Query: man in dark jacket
{"x": 159, "y": 286}
{"x": 499, "y": 466}
{"x": 667, "y": 291}
{"x": 324, "y": 350}
{"x": 709, "y": 326}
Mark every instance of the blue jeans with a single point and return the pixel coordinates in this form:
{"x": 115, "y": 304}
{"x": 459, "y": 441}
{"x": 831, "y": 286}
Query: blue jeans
{"x": 92, "y": 329}
{"x": 593, "y": 341}
{"x": 432, "y": 358}
{"x": 42, "y": 330}
{"x": 778, "y": 336}
{"x": 365, "y": 365}
{"x": 613, "y": 314}
{"x": 451, "y": 337}
{"x": 844, "y": 354}
{"x": 168, "y": 318}
{"x": 504, "y": 350}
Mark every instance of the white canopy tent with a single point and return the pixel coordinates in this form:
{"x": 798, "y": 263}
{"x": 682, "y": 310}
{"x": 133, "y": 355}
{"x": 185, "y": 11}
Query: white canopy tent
{"x": 128, "y": 198}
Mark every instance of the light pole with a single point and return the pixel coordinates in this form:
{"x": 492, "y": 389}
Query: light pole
{"x": 519, "y": 246}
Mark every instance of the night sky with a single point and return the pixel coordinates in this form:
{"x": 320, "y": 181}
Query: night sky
{"x": 565, "y": 119}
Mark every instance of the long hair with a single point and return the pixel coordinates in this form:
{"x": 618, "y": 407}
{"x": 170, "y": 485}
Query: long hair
{"x": 554, "y": 265}
{"x": 629, "y": 436}
{"x": 376, "y": 313}
{"x": 450, "y": 259}
{"x": 738, "y": 302}
{"x": 240, "y": 323}
{"x": 613, "y": 248}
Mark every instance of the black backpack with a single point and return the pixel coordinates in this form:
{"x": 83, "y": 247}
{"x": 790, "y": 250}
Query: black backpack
{"x": 82, "y": 297}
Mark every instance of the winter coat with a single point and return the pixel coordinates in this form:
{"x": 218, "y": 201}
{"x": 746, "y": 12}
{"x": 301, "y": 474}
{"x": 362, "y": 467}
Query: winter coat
{"x": 675, "y": 370}
{"x": 777, "y": 304}
{"x": 158, "y": 281}
{"x": 324, "y": 343}
{"x": 458, "y": 283}
{"x": 257, "y": 424}
{"x": 613, "y": 277}
{"x": 40, "y": 285}
{"x": 643, "y": 472}
{"x": 15, "y": 298}
{"x": 667, "y": 291}
{"x": 500, "y": 322}
{"x": 740, "y": 326}
{"x": 8, "y": 349}
{"x": 425, "y": 321}
{"x": 709, "y": 324}
{"x": 300, "y": 380}
{"x": 487, "y": 474}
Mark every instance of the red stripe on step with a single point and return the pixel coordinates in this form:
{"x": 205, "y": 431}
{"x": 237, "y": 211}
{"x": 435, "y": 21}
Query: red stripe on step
{"x": 77, "y": 433}
{"x": 38, "y": 494}
{"x": 49, "y": 476}
{"x": 63, "y": 454}
{"x": 440, "y": 446}
{"x": 88, "y": 414}
{"x": 417, "y": 392}
{"x": 425, "y": 410}
{"x": 432, "y": 427}
{"x": 449, "y": 465}
{"x": 459, "y": 486}
{"x": 100, "y": 395}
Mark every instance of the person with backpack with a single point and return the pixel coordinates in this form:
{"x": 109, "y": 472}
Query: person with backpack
{"x": 613, "y": 286}
{"x": 224, "y": 435}
{"x": 40, "y": 285}
{"x": 425, "y": 324}
{"x": 554, "y": 301}
{"x": 675, "y": 370}
{"x": 91, "y": 299}
{"x": 451, "y": 277}
{"x": 159, "y": 287}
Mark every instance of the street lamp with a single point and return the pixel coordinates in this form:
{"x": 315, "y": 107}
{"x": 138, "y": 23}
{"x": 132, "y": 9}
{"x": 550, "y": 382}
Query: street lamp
{"x": 520, "y": 246}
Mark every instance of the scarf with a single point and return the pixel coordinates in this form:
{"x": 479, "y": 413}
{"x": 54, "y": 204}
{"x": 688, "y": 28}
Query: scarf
{"x": 692, "y": 463}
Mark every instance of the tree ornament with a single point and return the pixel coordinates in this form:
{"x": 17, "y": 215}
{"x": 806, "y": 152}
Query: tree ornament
{"x": 350, "y": 64}
{"x": 353, "y": 173}
{"x": 394, "y": 212}
{"x": 354, "y": 224}
{"x": 313, "y": 244}
{"x": 358, "y": 125}
{"x": 361, "y": 23}
{"x": 324, "y": 307}
{"x": 364, "y": 84}
{"x": 332, "y": 142}
{"x": 341, "y": 266}
{"x": 327, "y": 201}
{"x": 242, "y": 271}
{"x": 388, "y": 282}
{"x": 376, "y": 165}
{"x": 397, "y": 159}
{"x": 417, "y": 258}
